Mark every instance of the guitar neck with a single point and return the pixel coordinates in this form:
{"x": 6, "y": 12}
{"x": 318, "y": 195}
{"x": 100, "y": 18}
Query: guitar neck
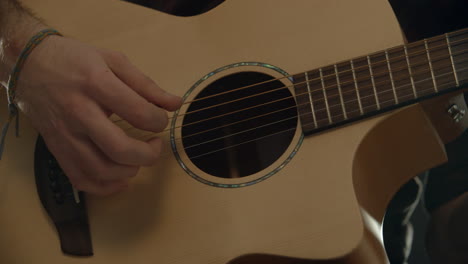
{"x": 381, "y": 81}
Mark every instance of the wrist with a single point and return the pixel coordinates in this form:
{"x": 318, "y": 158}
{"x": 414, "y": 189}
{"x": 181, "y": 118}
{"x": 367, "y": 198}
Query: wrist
{"x": 14, "y": 36}
{"x": 18, "y": 40}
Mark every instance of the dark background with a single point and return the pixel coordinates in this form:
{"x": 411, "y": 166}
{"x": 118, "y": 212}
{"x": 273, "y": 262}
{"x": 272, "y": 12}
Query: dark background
{"x": 423, "y": 19}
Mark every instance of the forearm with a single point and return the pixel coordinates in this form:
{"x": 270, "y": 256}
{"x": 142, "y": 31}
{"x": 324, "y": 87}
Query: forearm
{"x": 17, "y": 26}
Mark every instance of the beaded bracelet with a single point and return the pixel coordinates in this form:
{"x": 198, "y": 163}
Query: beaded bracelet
{"x": 11, "y": 87}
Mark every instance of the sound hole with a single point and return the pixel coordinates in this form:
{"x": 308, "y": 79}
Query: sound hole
{"x": 230, "y": 132}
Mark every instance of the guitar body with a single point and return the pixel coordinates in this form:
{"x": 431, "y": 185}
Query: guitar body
{"x": 312, "y": 203}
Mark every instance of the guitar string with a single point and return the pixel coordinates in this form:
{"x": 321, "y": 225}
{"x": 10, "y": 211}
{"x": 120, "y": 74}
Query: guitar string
{"x": 334, "y": 75}
{"x": 325, "y": 119}
{"x": 272, "y": 134}
{"x": 150, "y": 134}
{"x": 434, "y": 39}
{"x": 300, "y": 115}
{"x": 316, "y": 101}
{"x": 364, "y": 67}
{"x": 240, "y": 121}
{"x": 286, "y": 108}
{"x": 169, "y": 153}
{"x": 414, "y": 74}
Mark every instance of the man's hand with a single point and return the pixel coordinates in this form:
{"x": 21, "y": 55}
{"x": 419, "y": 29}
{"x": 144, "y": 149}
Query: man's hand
{"x": 68, "y": 89}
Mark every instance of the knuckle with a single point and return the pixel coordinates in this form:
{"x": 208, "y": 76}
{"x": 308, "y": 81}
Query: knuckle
{"x": 160, "y": 120}
{"x": 74, "y": 106}
{"x": 142, "y": 116}
{"x": 118, "y": 147}
{"x": 76, "y": 114}
{"x": 151, "y": 118}
{"x": 94, "y": 78}
{"x": 91, "y": 77}
{"x": 164, "y": 121}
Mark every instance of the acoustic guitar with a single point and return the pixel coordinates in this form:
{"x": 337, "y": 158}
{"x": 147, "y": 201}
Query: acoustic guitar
{"x": 301, "y": 119}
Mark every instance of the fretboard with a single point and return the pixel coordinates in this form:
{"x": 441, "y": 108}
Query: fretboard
{"x": 381, "y": 81}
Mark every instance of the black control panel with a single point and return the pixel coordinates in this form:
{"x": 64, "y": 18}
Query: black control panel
{"x": 65, "y": 206}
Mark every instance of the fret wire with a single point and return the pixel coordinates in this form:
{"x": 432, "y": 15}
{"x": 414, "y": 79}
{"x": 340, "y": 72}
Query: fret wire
{"x": 447, "y": 73}
{"x": 343, "y": 108}
{"x": 402, "y": 96}
{"x": 401, "y": 86}
{"x": 455, "y": 33}
{"x": 356, "y": 86}
{"x": 325, "y": 96}
{"x": 391, "y": 77}
{"x": 451, "y": 59}
{"x": 373, "y": 83}
{"x": 430, "y": 65}
{"x": 281, "y": 131}
{"x": 368, "y": 59}
{"x": 410, "y": 72}
{"x": 358, "y": 67}
{"x": 231, "y": 146}
{"x": 443, "y": 74}
{"x": 399, "y": 69}
{"x": 310, "y": 98}
{"x": 410, "y": 44}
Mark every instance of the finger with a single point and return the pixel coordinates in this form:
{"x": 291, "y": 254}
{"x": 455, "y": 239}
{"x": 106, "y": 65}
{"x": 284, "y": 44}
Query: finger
{"x": 141, "y": 83}
{"x": 117, "y": 145}
{"x": 78, "y": 178}
{"x": 117, "y": 97}
{"x": 96, "y": 165}
{"x": 93, "y": 186}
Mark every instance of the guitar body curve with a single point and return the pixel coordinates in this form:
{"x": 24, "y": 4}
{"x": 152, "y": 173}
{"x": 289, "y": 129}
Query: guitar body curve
{"x": 309, "y": 209}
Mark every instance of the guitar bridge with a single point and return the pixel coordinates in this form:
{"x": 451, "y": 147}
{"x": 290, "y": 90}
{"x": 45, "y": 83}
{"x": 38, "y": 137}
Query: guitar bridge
{"x": 64, "y": 205}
